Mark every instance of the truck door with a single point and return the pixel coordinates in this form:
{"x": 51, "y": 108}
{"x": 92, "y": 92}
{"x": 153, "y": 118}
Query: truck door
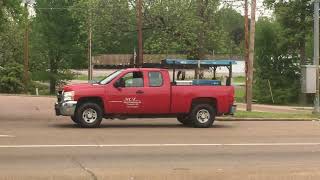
{"x": 128, "y": 98}
{"x": 156, "y": 97}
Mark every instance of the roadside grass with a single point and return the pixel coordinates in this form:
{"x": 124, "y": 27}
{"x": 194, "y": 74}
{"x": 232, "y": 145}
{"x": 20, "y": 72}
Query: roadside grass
{"x": 255, "y": 114}
{"x": 239, "y": 94}
{"x": 85, "y": 77}
{"x": 239, "y": 79}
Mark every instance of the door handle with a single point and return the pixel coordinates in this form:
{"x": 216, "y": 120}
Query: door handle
{"x": 139, "y": 92}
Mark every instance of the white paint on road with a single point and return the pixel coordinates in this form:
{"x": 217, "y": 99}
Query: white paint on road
{"x": 5, "y": 135}
{"x": 153, "y": 145}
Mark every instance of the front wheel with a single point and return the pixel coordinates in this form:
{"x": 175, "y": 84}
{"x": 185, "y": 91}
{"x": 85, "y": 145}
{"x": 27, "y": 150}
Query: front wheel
{"x": 202, "y": 115}
{"x": 74, "y": 119}
{"x": 89, "y": 115}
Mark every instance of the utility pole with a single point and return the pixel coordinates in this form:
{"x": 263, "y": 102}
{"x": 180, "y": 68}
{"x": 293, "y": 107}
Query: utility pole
{"x": 139, "y": 27}
{"x": 90, "y": 47}
{"x": 246, "y": 47}
{"x": 316, "y": 54}
{"x": 26, "y": 48}
{"x": 251, "y": 55}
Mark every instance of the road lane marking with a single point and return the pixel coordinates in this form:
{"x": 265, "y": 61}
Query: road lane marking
{"x": 152, "y": 145}
{"x": 5, "y": 135}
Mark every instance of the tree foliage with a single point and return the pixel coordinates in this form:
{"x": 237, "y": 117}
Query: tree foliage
{"x": 11, "y": 32}
{"x": 11, "y": 80}
{"x": 295, "y": 17}
{"x": 55, "y": 45}
{"x": 189, "y": 27}
{"x": 273, "y": 63}
{"x": 168, "y": 26}
{"x": 283, "y": 45}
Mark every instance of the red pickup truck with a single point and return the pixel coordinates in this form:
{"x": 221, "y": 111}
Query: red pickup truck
{"x": 144, "y": 92}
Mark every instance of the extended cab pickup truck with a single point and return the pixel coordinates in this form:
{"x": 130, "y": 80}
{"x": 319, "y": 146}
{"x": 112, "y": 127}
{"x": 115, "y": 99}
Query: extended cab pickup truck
{"x": 144, "y": 92}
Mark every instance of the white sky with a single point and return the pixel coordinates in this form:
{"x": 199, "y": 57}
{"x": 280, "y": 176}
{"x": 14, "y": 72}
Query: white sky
{"x": 238, "y": 5}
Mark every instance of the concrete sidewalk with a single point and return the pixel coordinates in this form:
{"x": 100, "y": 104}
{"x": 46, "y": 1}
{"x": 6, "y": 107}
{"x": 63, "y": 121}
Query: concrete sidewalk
{"x": 275, "y": 108}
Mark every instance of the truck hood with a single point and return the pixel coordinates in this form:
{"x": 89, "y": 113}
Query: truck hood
{"x": 75, "y": 87}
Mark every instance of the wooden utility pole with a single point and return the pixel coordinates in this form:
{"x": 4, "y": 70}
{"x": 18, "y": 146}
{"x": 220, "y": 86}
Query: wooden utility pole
{"x": 90, "y": 45}
{"x": 26, "y": 48}
{"x": 90, "y": 54}
{"x": 316, "y": 54}
{"x": 139, "y": 27}
{"x": 246, "y": 46}
{"x": 251, "y": 55}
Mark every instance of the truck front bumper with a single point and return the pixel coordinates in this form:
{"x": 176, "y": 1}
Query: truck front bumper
{"x": 65, "y": 108}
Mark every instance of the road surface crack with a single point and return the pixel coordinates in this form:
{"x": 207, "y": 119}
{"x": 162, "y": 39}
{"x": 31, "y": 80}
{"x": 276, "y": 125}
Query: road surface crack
{"x": 87, "y": 170}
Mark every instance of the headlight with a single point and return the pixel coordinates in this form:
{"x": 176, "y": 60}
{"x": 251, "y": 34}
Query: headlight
{"x": 68, "y": 96}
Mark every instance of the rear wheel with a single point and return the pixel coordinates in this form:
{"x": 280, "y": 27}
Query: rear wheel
{"x": 89, "y": 115}
{"x": 202, "y": 115}
{"x": 183, "y": 119}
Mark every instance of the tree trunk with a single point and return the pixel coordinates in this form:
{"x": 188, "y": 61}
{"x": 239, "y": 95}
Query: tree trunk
{"x": 53, "y": 74}
{"x": 303, "y": 58}
{"x": 202, "y": 5}
{"x": 200, "y": 52}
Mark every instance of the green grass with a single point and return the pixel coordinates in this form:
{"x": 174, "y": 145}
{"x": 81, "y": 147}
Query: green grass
{"x": 239, "y": 79}
{"x": 85, "y": 77}
{"x": 239, "y": 94}
{"x": 245, "y": 114}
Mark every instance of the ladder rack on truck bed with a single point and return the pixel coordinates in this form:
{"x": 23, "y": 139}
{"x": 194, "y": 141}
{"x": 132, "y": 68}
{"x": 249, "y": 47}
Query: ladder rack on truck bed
{"x": 197, "y": 64}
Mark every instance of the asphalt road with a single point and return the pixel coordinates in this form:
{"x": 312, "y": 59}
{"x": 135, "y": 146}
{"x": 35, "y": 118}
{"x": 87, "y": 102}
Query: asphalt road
{"x": 34, "y": 144}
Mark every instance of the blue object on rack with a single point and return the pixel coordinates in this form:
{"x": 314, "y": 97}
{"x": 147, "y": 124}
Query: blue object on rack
{"x": 222, "y": 62}
{"x": 205, "y": 82}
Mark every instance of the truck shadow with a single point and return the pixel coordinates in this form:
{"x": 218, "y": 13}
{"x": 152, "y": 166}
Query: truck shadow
{"x": 139, "y": 125}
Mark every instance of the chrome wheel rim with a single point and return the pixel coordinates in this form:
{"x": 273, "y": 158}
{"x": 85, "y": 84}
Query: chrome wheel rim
{"x": 89, "y": 115}
{"x": 203, "y": 115}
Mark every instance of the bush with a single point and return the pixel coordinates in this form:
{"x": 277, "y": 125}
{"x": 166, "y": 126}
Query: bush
{"x": 11, "y": 78}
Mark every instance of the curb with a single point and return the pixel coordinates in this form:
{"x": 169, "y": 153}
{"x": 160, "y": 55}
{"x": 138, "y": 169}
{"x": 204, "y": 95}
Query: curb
{"x": 28, "y": 95}
{"x": 266, "y": 119}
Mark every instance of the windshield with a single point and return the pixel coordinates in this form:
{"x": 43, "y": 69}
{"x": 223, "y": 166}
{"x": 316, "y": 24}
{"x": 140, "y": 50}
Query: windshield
{"x": 110, "y": 77}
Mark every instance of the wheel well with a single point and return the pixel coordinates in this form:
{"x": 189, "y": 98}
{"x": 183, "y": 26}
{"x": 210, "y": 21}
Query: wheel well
{"x": 205, "y": 100}
{"x": 96, "y": 100}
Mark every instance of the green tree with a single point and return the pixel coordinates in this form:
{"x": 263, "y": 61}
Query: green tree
{"x": 183, "y": 26}
{"x": 232, "y": 22}
{"x": 11, "y": 33}
{"x": 55, "y": 45}
{"x": 193, "y": 27}
{"x": 11, "y": 46}
{"x": 274, "y": 63}
{"x": 11, "y": 78}
{"x": 296, "y": 19}
{"x": 112, "y": 22}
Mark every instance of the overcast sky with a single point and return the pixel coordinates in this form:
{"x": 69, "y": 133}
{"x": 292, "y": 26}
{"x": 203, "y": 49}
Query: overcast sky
{"x": 239, "y": 6}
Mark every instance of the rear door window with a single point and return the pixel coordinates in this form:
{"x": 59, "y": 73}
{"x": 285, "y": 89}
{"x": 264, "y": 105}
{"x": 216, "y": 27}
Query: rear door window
{"x": 155, "y": 79}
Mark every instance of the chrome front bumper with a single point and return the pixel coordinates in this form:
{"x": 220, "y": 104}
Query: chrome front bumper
{"x": 65, "y": 108}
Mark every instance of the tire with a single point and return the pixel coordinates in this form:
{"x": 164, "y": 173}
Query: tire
{"x": 74, "y": 119}
{"x": 183, "y": 119}
{"x": 202, "y": 115}
{"x": 89, "y": 115}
